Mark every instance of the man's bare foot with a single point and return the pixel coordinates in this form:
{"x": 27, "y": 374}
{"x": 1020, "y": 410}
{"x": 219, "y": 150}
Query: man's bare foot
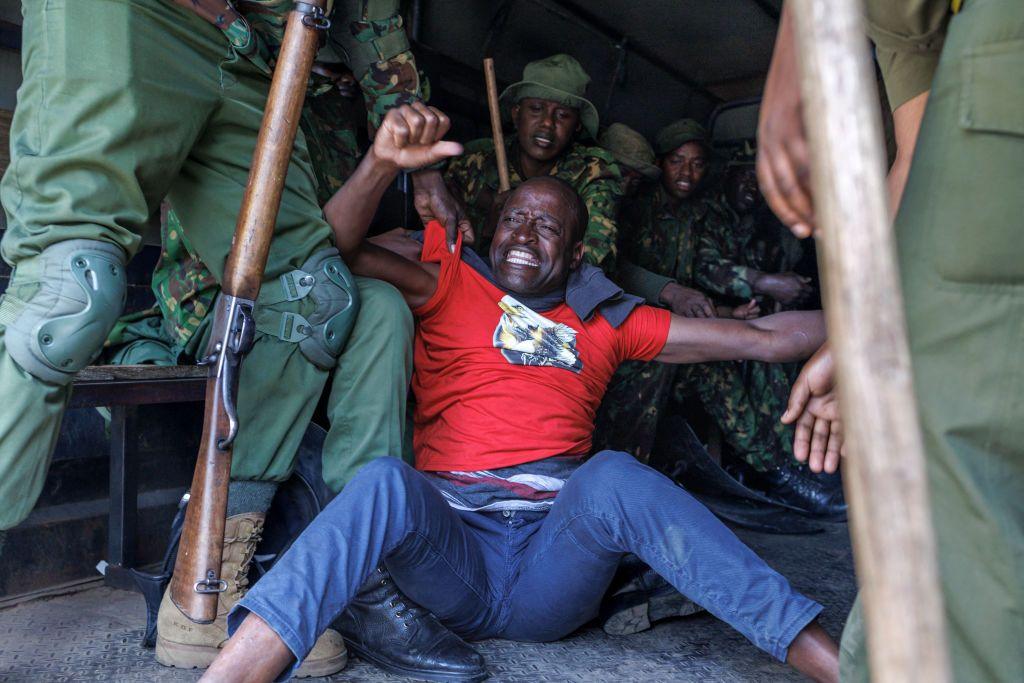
{"x": 255, "y": 654}
{"x": 814, "y": 654}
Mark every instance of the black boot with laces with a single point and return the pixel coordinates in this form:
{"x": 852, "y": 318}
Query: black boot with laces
{"x": 392, "y": 632}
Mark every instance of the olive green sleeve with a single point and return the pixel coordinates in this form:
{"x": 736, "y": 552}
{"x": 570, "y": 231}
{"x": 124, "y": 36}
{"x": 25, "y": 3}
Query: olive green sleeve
{"x": 642, "y": 282}
{"x": 908, "y": 37}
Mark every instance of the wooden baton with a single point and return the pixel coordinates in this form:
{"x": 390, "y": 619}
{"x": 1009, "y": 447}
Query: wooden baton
{"x": 499, "y": 137}
{"x": 886, "y": 483}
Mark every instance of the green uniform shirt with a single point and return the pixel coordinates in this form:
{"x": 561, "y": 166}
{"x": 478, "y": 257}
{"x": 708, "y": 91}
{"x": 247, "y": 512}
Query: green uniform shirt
{"x": 473, "y": 177}
{"x": 908, "y": 37}
{"x": 665, "y": 236}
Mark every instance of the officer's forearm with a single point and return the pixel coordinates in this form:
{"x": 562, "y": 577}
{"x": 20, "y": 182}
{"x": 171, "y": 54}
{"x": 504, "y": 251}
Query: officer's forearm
{"x": 351, "y": 209}
{"x": 721, "y": 276}
{"x": 906, "y": 124}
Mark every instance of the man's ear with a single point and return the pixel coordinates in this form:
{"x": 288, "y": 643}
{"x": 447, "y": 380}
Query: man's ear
{"x": 577, "y": 256}
{"x": 514, "y": 113}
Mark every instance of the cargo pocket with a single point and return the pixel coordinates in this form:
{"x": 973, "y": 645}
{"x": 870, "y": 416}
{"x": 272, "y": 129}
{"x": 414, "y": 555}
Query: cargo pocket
{"x": 989, "y": 246}
{"x": 992, "y": 98}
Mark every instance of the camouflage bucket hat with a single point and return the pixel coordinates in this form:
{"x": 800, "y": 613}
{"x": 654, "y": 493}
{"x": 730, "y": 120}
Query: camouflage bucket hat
{"x": 631, "y": 149}
{"x": 677, "y": 134}
{"x": 559, "y": 78}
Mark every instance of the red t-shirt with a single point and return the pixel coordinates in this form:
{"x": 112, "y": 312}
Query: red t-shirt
{"x": 498, "y": 384}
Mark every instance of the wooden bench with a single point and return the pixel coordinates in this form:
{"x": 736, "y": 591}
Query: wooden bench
{"x": 123, "y": 388}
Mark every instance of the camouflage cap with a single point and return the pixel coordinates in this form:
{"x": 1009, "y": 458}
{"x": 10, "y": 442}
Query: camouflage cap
{"x": 677, "y": 134}
{"x": 631, "y": 149}
{"x": 744, "y": 155}
{"x": 558, "y": 78}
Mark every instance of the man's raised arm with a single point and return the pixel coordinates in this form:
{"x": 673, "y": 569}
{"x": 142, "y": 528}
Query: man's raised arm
{"x": 779, "y": 338}
{"x": 410, "y": 137}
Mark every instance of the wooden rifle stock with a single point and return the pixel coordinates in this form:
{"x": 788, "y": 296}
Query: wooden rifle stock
{"x": 197, "y": 583}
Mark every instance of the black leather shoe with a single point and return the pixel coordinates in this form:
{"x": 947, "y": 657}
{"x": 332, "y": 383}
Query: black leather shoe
{"x": 639, "y": 597}
{"x": 795, "y": 486}
{"x": 390, "y": 631}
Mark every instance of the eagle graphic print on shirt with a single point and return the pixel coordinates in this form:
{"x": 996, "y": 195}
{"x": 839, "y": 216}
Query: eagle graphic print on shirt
{"x": 527, "y": 338}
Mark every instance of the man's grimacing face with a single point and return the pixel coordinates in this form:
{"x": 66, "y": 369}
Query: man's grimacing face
{"x": 537, "y": 240}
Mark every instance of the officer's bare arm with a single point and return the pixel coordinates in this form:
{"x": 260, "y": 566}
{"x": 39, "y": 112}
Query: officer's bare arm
{"x": 906, "y": 120}
{"x": 779, "y": 338}
{"x": 410, "y": 137}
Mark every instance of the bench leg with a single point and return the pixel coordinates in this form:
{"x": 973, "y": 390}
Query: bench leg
{"x": 124, "y": 501}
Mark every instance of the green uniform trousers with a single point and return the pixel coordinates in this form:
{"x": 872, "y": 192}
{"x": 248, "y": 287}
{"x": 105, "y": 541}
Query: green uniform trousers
{"x": 124, "y": 103}
{"x": 370, "y": 387}
{"x": 639, "y": 393}
{"x": 961, "y": 248}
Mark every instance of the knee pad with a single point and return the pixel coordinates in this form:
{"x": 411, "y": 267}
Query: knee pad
{"x": 325, "y": 280}
{"x": 61, "y": 305}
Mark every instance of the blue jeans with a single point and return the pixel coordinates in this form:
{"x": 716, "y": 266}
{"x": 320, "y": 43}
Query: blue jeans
{"x": 521, "y": 576}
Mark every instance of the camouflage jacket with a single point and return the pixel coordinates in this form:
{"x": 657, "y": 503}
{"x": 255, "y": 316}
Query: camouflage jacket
{"x": 473, "y": 177}
{"x": 731, "y": 254}
{"x": 664, "y": 238}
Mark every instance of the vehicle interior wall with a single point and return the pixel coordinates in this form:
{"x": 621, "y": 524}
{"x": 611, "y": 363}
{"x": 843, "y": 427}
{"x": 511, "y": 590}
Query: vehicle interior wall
{"x": 650, "y": 61}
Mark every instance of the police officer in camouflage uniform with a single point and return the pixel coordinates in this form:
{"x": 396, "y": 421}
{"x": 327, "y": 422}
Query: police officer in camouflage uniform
{"x": 664, "y": 225}
{"x": 752, "y": 254}
{"x": 365, "y": 424}
{"x": 126, "y": 103}
{"x": 550, "y": 114}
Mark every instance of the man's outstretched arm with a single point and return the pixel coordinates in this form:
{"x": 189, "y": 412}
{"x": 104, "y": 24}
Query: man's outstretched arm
{"x": 779, "y": 338}
{"x": 410, "y": 137}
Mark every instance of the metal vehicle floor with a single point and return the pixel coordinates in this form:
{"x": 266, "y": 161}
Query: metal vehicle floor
{"x": 93, "y": 635}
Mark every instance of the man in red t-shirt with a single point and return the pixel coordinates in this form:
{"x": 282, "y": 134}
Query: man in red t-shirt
{"x": 502, "y": 530}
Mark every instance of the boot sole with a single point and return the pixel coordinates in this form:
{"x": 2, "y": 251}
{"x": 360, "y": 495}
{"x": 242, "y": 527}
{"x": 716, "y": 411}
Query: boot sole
{"x": 419, "y": 674}
{"x": 182, "y": 656}
{"x": 322, "y": 667}
{"x": 636, "y": 612}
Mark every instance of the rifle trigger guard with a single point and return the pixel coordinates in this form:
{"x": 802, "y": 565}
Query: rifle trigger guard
{"x": 238, "y": 342}
{"x": 313, "y": 16}
{"x": 211, "y": 584}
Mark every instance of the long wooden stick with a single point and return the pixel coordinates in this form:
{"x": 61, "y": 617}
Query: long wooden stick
{"x": 893, "y": 538}
{"x": 197, "y": 584}
{"x": 496, "y": 133}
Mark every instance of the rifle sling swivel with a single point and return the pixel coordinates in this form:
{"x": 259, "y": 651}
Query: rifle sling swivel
{"x": 313, "y": 16}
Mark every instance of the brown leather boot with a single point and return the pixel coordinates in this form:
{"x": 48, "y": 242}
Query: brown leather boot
{"x": 185, "y": 644}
